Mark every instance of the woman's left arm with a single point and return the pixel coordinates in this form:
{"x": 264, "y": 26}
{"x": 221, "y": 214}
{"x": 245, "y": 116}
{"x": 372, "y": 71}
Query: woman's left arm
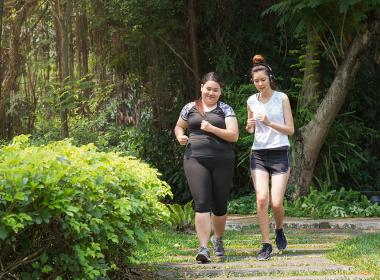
{"x": 230, "y": 133}
{"x": 288, "y": 127}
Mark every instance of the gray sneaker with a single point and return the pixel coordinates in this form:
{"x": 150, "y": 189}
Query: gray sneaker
{"x": 217, "y": 243}
{"x": 265, "y": 252}
{"x": 203, "y": 255}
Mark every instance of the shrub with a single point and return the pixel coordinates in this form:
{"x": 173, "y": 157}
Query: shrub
{"x": 329, "y": 204}
{"x": 332, "y": 204}
{"x": 73, "y": 212}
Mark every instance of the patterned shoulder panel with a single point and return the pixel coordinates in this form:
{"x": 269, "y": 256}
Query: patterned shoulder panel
{"x": 227, "y": 110}
{"x": 186, "y": 109}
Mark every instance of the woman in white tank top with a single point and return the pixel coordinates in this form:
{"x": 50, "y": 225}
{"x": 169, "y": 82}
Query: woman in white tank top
{"x": 270, "y": 119}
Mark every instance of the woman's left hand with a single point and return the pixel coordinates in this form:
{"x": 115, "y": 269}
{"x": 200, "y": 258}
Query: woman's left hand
{"x": 206, "y": 126}
{"x": 264, "y": 119}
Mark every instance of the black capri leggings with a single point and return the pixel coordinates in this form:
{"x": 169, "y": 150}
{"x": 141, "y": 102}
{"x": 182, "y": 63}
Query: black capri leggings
{"x": 210, "y": 181}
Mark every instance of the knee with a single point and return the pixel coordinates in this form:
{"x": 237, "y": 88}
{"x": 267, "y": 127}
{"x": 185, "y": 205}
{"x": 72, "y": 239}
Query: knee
{"x": 219, "y": 211}
{"x": 277, "y": 206}
{"x": 262, "y": 201}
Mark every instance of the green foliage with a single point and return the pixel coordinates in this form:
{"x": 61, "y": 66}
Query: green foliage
{"x": 182, "y": 216}
{"x": 332, "y": 204}
{"x": 73, "y": 211}
{"x": 328, "y": 204}
{"x": 243, "y": 205}
{"x": 341, "y": 155}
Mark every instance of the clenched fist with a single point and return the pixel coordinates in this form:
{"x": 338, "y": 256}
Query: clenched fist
{"x": 183, "y": 139}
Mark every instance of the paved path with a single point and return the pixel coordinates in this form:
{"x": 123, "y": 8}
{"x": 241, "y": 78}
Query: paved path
{"x": 239, "y": 221}
{"x": 305, "y": 258}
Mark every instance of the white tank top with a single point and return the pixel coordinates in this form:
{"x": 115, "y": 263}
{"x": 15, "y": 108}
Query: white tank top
{"x": 265, "y": 136}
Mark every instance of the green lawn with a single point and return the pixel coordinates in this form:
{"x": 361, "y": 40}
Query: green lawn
{"x": 362, "y": 252}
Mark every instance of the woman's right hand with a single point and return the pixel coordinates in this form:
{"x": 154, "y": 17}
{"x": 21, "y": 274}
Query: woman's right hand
{"x": 250, "y": 127}
{"x": 183, "y": 139}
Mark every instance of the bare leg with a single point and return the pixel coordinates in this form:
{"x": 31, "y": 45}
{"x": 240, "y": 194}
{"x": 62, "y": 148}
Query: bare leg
{"x": 261, "y": 184}
{"x": 219, "y": 223}
{"x": 279, "y": 182}
{"x": 203, "y": 227}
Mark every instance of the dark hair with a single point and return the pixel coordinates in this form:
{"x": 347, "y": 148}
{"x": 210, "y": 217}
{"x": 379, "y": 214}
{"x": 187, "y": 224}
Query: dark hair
{"x": 259, "y": 65}
{"x": 210, "y": 76}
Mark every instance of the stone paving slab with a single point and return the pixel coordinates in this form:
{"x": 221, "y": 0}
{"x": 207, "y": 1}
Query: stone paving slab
{"x": 240, "y": 221}
{"x": 249, "y": 262}
{"x": 233, "y": 272}
{"x": 310, "y": 277}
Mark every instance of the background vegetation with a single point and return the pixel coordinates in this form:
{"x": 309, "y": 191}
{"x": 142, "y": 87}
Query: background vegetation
{"x": 116, "y": 73}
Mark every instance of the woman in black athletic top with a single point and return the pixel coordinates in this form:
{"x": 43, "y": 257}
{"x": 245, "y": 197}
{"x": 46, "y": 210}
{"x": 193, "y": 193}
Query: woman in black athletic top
{"x": 208, "y": 161}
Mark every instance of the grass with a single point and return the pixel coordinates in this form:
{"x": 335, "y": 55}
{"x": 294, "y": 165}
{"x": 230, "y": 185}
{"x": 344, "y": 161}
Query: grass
{"x": 362, "y": 252}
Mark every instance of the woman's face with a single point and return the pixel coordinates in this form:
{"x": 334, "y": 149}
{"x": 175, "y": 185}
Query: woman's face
{"x": 261, "y": 81}
{"x": 210, "y": 92}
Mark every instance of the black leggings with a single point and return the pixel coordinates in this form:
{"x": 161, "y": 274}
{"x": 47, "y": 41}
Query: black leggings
{"x": 210, "y": 181}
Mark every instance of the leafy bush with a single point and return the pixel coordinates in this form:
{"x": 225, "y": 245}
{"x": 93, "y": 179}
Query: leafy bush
{"x": 182, "y": 217}
{"x": 329, "y": 204}
{"x": 73, "y": 212}
{"x": 332, "y": 204}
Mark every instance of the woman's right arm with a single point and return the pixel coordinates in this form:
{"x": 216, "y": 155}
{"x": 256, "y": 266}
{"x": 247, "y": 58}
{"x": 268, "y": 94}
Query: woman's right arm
{"x": 250, "y": 127}
{"x": 179, "y": 131}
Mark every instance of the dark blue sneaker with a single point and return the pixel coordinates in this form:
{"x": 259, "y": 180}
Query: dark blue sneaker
{"x": 281, "y": 239}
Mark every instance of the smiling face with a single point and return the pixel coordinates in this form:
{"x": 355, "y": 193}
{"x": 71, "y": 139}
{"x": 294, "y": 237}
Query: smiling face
{"x": 261, "y": 81}
{"x": 210, "y": 93}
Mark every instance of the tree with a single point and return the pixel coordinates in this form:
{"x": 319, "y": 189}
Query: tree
{"x": 344, "y": 55}
{"x": 62, "y": 20}
{"x": 13, "y": 61}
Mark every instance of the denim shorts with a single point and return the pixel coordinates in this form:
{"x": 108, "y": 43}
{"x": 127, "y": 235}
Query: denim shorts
{"x": 273, "y": 161}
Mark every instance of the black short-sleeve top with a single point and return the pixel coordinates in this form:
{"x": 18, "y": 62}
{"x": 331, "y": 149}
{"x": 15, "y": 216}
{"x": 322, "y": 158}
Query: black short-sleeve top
{"x": 202, "y": 143}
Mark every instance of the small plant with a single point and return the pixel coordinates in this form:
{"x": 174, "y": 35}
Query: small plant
{"x": 182, "y": 217}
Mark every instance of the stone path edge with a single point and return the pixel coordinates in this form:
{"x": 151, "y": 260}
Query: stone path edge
{"x": 240, "y": 221}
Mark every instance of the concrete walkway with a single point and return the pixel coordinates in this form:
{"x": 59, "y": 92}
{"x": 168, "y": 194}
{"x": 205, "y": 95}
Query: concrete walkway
{"x": 240, "y": 221}
{"x": 304, "y": 259}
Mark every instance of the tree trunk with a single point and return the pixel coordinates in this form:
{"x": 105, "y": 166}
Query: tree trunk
{"x": 2, "y": 107}
{"x": 9, "y": 82}
{"x": 99, "y": 34}
{"x": 310, "y": 138}
{"x": 82, "y": 53}
{"x": 70, "y": 36}
{"x": 193, "y": 44}
{"x": 61, "y": 27}
{"x": 82, "y": 40}
{"x": 311, "y": 75}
